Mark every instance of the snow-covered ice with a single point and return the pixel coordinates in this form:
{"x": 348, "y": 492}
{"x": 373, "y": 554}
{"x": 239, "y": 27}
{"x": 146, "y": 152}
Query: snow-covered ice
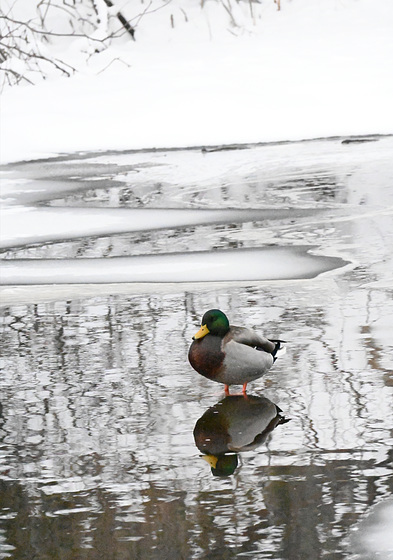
{"x": 50, "y": 224}
{"x": 248, "y": 264}
{"x": 372, "y": 537}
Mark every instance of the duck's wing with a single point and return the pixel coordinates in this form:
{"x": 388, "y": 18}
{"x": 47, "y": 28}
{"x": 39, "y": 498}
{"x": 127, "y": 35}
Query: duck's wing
{"x": 242, "y": 335}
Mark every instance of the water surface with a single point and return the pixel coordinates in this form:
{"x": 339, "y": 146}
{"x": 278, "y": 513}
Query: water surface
{"x": 99, "y": 406}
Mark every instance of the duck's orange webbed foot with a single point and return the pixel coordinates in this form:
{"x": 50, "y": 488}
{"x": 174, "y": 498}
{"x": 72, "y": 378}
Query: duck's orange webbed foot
{"x": 244, "y": 390}
{"x": 226, "y": 389}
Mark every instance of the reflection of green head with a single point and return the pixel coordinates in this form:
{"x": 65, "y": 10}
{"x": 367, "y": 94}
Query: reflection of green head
{"x": 222, "y": 465}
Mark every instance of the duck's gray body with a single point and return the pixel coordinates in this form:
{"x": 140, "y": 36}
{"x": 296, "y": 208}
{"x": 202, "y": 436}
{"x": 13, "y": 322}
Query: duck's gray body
{"x": 240, "y": 356}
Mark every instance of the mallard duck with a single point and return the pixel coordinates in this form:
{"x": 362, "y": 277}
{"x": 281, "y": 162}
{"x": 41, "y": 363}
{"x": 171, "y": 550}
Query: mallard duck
{"x": 228, "y": 354}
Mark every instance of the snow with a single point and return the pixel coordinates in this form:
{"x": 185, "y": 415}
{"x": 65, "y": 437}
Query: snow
{"x": 310, "y": 70}
{"x": 372, "y": 537}
{"x": 51, "y": 224}
{"x": 278, "y": 263}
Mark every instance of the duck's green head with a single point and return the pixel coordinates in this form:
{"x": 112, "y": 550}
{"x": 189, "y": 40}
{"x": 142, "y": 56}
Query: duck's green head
{"x": 215, "y": 322}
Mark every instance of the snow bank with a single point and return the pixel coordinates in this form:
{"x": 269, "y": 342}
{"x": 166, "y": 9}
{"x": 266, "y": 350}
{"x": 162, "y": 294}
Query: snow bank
{"x": 309, "y": 70}
{"x": 372, "y": 539}
{"x": 54, "y": 224}
{"x": 269, "y": 263}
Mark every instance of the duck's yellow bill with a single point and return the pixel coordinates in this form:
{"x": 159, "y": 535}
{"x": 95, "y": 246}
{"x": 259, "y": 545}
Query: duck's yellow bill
{"x": 211, "y": 460}
{"x": 203, "y": 331}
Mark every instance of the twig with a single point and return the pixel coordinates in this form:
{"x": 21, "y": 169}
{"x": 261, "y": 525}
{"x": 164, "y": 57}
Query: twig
{"x": 111, "y": 62}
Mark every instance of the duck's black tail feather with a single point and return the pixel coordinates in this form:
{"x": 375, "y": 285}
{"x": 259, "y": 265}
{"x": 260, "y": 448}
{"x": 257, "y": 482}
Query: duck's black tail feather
{"x": 278, "y": 346}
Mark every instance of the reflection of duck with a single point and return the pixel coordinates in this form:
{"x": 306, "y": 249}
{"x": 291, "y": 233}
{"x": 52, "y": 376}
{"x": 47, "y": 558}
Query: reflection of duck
{"x": 236, "y": 423}
{"x": 228, "y": 354}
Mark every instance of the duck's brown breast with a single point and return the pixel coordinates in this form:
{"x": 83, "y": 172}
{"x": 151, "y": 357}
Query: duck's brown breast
{"x": 206, "y": 356}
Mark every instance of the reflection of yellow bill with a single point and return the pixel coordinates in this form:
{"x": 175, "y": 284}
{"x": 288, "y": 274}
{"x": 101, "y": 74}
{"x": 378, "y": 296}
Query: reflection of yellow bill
{"x": 211, "y": 460}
